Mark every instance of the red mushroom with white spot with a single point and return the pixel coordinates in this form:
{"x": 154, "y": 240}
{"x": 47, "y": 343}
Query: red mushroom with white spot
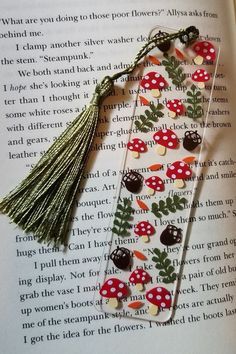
{"x": 154, "y": 82}
{"x": 144, "y": 229}
{"x": 154, "y": 184}
{"x": 137, "y": 146}
{"x": 179, "y": 171}
{"x": 204, "y": 50}
{"x": 165, "y": 138}
{"x": 200, "y": 76}
{"x": 160, "y": 298}
{"x": 115, "y": 290}
{"x": 176, "y": 108}
{"x": 139, "y": 277}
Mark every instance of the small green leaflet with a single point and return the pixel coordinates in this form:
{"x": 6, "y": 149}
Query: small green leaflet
{"x": 194, "y": 109}
{"x": 123, "y": 215}
{"x": 145, "y": 121}
{"x": 170, "y": 205}
{"x": 174, "y": 69}
{"x": 163, "y": 264}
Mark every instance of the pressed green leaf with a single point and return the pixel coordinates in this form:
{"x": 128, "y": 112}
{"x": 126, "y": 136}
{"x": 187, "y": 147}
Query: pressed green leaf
{"x": 121, "y": 223}
{"x": 163, "y": 264}
{"x": 144, "y": 122}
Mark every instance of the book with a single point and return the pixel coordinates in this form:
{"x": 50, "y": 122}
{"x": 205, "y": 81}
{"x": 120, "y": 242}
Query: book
{"x": 52, "y": 57}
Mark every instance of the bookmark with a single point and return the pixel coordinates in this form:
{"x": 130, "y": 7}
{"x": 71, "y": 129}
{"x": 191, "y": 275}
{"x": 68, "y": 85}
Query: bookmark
{"x": 42, "y": 203}
{"x": 142, "y": 264}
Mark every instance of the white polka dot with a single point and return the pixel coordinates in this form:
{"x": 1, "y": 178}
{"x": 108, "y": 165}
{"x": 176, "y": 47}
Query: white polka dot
{"x": 136, "y": 145}
{"x": 187, "y": 173}
{"x": 159, "y": 290}
{"x": 212, "y": 50}
{"x": 208, "y": 57}
{"x": 175, "y": 105}
{"x": 104, "y": 292}
{"x": 205, "y": 44}
{"x": 173, "y": 176}
{"x": 148, "y": 232}
{"x": 178, "y": 110}
{"x": 113, "y": 290}
{"x": 143, "y": 273}
{"x": 206, "y": 77}
{"x": 201, "y": 75}
{"x": 167, "y": 297}
{"x": 157, "y": 75}
{"x": 142, "y": 224}
{"x": 140, "y": 141}
{"x": 131, "y": 147}
{"x": 143, "y": 229}
{"x": 147, "y": 183}
{"x": 172, "y": 167}
{"x": 164, "y": 131}
{"x": 146, "y": 77}
{"x": 119, "y": 294}
{"x": 142, "y": 148}
{"x": 160, "y": 182}
{"x": 110, "y": 282}
{"x": 132, "y": 279}
{"x": 165, "y": 137}
{"x": 179, "y": 170}
{"x": 154, "y": 81}
{"x": 181, "y": 164}
{"x": 148, "y": 227}
{"x": 136, "y": 230}
{"x": 170, "y": 143}
{"x": 158, "y": 297}
{"x": 205, "y": 73}
{"x": 205, "y": 50}
{"x": 161, "y": 84}
{"x": 173, "y": 136}
{"x": 158, "y": 188}
{"x": 147, "y": 85}
{"x": 197, "y": 48}
{"x": 138, "y": 276}
{"x": 198, "y": 71}
{"x": 179, "y": 103}
{"x": 157, "y": 137}
{"x": 150, "y": 296}
{"x": 163, "y": 304}
{"x": 153, "y": 178}
{"x": 121, "y": 285}
{"x": 195, "y": 77}
{"x": 168, "y": 105}
{"x": 136, "y": 271}
{"x": 143, "y": 278}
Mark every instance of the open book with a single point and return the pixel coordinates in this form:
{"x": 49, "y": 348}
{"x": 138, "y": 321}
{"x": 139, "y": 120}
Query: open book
{"x": 52, "y": 57}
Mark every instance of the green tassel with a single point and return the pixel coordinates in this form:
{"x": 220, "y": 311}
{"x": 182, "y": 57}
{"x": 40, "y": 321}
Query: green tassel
{"x": 43, "y": 202}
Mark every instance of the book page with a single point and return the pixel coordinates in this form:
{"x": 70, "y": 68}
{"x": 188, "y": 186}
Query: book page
{"x": 52, "y": 57}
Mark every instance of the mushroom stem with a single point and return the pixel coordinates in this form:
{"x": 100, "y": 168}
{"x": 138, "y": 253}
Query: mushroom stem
{"x": 153, "y": 310}
{"x": 113, "y": 303}
{"x": 198, "y": 60}
{"x": 145, "y": 238}
{"x": 156, "y": 93}
{"x": 201, "y": 85}
{"x": 139, "y": 286}
{"x": 160, "y": 150}
{"x": 179, "y": 183}
{"x": 135, "y": 154}
{"x": 172, "y": 114}
{"x": 150, "y": 191}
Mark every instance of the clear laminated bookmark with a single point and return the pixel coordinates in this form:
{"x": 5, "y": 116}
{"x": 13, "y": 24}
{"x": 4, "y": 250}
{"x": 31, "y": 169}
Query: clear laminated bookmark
{"x": 142, "y": 263}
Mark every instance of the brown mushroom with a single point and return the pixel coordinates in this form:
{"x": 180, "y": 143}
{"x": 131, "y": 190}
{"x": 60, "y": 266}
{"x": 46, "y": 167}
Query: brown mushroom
{"x": 154, "y": 184}
{"x": 201, "y": 76}
{"x": 139, "y": 277}
{"x": 114, "y": 289}
{"x": 154, "y": 82}
{"x": 179, "y": 171}
{"x": 176, "y": 108}
{"x": 159, "y": 297}
{"x": 204, "y": 50}
{"x": 144, "y": 229}
{"x": 165, "y": 138}
{"x": 137, "y": 146}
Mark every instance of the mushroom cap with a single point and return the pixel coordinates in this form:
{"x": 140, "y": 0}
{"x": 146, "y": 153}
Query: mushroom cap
{"x": 167, "y": 138}
{"x": 138, "y": 276}
{"x": 160, "y": 297}
{"x": 179, "y": 170}
{"x": 156, "y": 183}
{"x": 200, "y": 75}
{"x": 114, "y": 288}
{"x": 144, "y": 228}
{"x": 153, "y": 80}
{"x": 137, "y": 144}
{"x": 205, "y": 49}
{"x": 175, "y": 106}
